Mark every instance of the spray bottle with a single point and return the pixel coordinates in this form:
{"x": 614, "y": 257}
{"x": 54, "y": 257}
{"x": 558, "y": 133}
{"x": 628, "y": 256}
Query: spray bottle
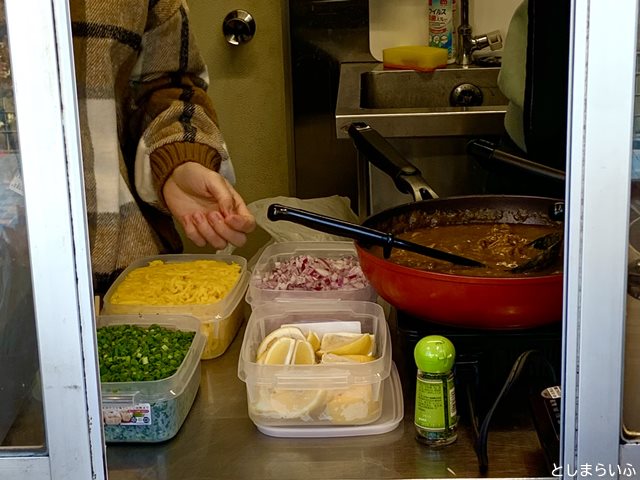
{"x": 442, "y": 29}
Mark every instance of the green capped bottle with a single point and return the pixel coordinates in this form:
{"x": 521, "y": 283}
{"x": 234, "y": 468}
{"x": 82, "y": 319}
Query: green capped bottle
{"x": 436, "y": 417}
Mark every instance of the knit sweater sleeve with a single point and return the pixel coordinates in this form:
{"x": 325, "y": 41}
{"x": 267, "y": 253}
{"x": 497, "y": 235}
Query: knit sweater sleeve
{"x": 174, "y": 117}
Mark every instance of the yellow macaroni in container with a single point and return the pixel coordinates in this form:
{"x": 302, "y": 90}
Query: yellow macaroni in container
{"x": 208, "y": 287}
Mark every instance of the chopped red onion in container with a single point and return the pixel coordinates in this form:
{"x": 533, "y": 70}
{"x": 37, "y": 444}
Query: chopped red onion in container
{"x": 305, "y": 272}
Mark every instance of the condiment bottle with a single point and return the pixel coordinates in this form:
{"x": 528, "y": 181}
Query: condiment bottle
{"x": 442, "y": 29}
{"x": 436, "y": 417}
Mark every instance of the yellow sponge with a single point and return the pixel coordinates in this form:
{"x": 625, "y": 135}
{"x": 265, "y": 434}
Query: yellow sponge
{"x": 419, "y": 57}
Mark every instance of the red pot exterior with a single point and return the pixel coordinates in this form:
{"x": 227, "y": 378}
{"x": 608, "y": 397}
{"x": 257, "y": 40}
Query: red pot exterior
{"x": 463, "y": 301}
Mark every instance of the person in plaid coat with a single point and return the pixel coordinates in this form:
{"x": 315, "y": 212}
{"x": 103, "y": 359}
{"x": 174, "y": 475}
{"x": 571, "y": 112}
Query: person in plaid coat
{"x": 152, "y": 150}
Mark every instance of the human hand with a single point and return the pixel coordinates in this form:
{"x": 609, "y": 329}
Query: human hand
{"x": 207, "y": 206}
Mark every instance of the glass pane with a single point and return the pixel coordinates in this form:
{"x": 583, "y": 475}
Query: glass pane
{"x": 21, "y": 413}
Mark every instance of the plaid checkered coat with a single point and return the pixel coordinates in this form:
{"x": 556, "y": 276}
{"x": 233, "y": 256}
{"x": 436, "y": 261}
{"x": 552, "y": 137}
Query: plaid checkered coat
{"x": 143, "y": 111}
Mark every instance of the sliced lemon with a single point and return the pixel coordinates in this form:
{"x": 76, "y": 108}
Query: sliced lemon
{"x": 296, "y": 403}
{"x": 280, "y": 352}
{"x": 333, "y": 358}
{"x": 303, "y": 353}
{"x": 354, "y": 405}
{"x": 333, "y": 340}
{"x": 360, "y": 358}
{"x": 289, "y": 332}
{"x": 348, "y": 343}
{"x": 260, "y": 359}
{"x": 314, "y": 340}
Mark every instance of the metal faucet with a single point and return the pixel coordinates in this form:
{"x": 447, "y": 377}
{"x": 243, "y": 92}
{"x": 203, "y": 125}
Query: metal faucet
{"x": 467, "y": 44}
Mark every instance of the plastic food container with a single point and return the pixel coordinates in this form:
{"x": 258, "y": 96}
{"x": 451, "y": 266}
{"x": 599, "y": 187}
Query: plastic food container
{"x": 391, "y": 416}
{"x": 219, "y": 320}
{"x": 283, "y": 251}
{"x": 333, "y": 394}
{"x": 152, "y": 411}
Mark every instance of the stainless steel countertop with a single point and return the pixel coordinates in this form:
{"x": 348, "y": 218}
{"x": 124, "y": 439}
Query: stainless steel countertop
{"x": 218, "y": 440}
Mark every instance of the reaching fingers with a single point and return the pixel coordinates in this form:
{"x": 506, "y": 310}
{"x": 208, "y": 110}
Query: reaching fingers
{"x": 242, "y": 220}
{"x": 226, "y": 231}
{"x": 240, "y": 206}
{"x": 226, "y": 197}
{"x": 214, "y": 213}
{"x": 241, "y": 223}
{"x": 191, "y": 231}
{"x": 223, "y": 193}
{"x": 201, "y": 232}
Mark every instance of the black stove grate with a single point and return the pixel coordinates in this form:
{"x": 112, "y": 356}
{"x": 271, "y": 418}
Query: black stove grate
{"x": 488, "y": 354}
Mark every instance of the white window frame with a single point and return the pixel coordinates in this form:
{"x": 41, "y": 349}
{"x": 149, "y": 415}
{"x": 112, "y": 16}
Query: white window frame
{"x": 45, "y": 95}
{"x": 602, "y": 79}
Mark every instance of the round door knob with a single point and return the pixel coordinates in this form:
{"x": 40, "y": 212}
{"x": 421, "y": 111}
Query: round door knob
{"x": 238, "y": 27}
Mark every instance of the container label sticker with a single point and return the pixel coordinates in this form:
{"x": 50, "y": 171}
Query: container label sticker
{"x": 16, "y": 184}
{"x": 135, "y": 415}
{"x": 552, "y": 392}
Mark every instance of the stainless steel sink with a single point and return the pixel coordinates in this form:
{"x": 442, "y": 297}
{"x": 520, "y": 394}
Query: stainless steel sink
{"x": 452, "y": 87}
{"x": 453, "y": 101}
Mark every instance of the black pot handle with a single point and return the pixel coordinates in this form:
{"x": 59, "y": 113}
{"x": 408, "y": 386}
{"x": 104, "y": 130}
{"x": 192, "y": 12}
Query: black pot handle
{"x": 487, "y": 150}
{"x": 377, "y": 150}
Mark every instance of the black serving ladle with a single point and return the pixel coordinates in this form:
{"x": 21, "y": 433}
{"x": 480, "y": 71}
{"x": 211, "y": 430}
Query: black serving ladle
{"x": 549, "y": 246}
{"x": 363, "y": 234}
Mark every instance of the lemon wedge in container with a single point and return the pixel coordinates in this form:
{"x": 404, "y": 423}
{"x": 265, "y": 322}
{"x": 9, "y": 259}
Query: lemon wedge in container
{"x": 283, "y": 332}
{"x": 333, "y": 358}
{"x": 279, "y": 353}
{"x": 348, "y": 343}
{"x": 303, "y": 353}
{"x": 314, "y": 340}
{"x": 354, "y": 405}
{"x": 297, "y": 403}
{"x": 301, "y": 404}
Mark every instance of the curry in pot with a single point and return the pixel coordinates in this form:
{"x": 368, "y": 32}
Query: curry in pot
{"x": 500, "y": 246}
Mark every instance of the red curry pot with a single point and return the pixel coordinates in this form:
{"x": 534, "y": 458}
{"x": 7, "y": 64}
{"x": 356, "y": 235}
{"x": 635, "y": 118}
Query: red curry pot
{"x": 465, "y": 301}
{"x": 459, "y": 300}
